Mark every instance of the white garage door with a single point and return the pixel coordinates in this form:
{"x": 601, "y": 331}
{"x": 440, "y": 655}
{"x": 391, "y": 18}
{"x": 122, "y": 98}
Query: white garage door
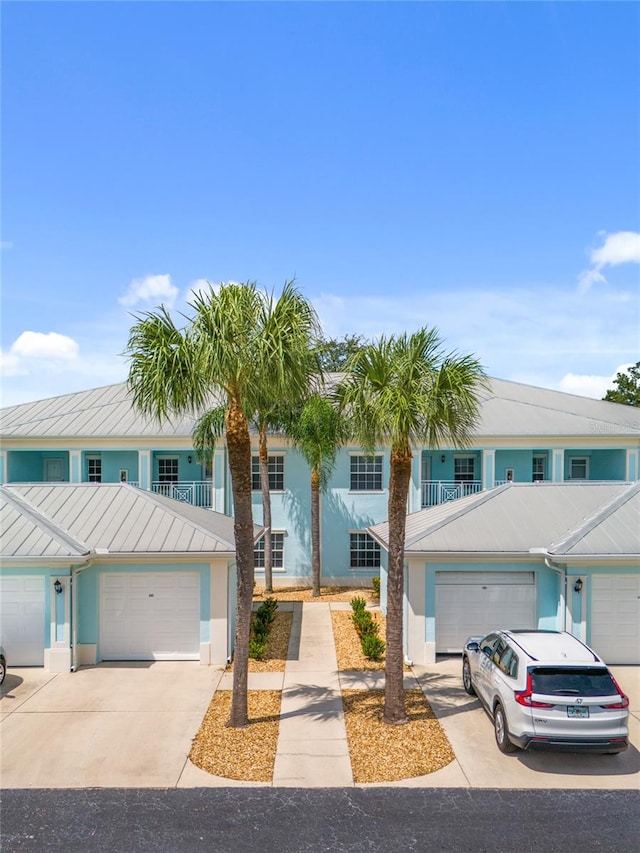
{"x": 477, "y": 602}
{"x": 150, "y": 616}
{"x": 615, "y": 617}
{"x": 22, "y": 619}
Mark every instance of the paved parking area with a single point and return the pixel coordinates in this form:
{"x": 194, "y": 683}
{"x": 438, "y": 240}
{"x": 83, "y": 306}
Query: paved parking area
{"x": 116, "y": 725}
{"x": 131, "y": 725}
{"x": 479, "y": 763}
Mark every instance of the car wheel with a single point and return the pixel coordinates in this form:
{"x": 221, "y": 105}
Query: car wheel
{"x": 501, "y": 730}
{"x": 466, "y": 677}
{"x": 3, "y": 670}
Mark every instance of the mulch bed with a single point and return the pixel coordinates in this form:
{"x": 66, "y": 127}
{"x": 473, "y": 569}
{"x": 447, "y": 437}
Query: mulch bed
{"x": 379, "y": 752}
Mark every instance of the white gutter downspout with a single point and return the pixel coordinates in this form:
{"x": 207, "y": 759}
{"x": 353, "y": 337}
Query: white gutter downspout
{"x": 75, "y": 571}
{"x": 560, "y": 569}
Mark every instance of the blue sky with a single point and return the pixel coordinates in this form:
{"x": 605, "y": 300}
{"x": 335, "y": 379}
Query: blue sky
{"x": 470, "y": 166}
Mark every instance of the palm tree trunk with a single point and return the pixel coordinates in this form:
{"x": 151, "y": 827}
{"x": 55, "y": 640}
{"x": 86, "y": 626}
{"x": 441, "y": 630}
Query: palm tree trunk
{"x": 315, "y": 532}
{"x": 399, "y": 479}
{"x": 239, "y": 448}
{"x": 266, "y": 509}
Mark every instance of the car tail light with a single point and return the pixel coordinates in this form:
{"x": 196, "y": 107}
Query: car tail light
{"x": 523, "y": 697}
{"x": 624, "y": 699}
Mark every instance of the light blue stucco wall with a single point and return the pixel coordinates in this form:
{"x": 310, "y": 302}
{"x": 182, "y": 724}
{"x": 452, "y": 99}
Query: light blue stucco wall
{"x": 88, "y": 592}
{"x": 27, "y": 466}
{"x": 609, "y": 464}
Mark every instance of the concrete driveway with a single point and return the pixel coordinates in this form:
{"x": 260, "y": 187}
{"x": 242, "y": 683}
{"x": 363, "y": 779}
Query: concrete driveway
{"x": 479, "y": 763}
{"x": 114, "y": 725}
{"x": 131, "y": 725}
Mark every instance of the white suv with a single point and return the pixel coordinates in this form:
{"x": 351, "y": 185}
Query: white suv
{"x": 546, "y": 689}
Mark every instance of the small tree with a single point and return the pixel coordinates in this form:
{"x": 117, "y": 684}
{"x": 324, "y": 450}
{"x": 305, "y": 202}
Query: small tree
{"x": 317, "y": 429}
{"x": 400, "y": 391}
{"x": 627, "y": 388}
{"x": 239, "y": 345}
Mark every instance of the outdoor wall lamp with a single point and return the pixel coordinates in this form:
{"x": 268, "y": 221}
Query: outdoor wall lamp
{"x": 189, "y": 458}
{"x": 577, "y": 585}
{"x": 443, "y": 458}
{"x": 58, "y": 587}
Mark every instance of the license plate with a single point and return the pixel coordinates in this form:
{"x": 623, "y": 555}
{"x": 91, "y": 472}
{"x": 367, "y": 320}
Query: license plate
{"x": 577, "y": 711}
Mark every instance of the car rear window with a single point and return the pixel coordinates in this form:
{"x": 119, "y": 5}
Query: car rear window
{"x": 572, "y": 681}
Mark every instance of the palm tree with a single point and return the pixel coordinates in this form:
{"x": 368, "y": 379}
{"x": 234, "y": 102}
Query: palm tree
{"x": 317, "y": 429}
{"x": 239, "y": 344}
{"x": 399, "y": 391}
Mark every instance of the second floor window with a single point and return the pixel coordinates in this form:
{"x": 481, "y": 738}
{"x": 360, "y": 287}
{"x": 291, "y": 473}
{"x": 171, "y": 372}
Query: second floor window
{"x": 94, "y": 469}
{"x": 539, "y": 468}
{"x": 168, "y": 469}
{"x": 578, "y": 468}
{"x": 276, "y": 473}
{"x": 464, "y": 469}
{"x": 366, "y": 473}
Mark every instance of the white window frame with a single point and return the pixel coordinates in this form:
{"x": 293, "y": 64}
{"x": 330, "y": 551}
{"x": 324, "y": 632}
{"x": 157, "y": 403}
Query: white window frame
{"x": 163, "y": 475}
{"x": 582, "y": 460}
{"x": 463, "y": 476}
{"x": 91, "y": 460}
{"x": 276, "y": 551}
{"x": 275, "y": 461}
{"x": 535, "y": 475}
{"x": 364, "y": 545}
{"x": 370, "y": 467}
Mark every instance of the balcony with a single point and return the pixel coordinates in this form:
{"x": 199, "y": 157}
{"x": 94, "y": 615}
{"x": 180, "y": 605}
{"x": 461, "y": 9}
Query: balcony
{"x": 193, "y": 492}
{"x": 440, "y": 491}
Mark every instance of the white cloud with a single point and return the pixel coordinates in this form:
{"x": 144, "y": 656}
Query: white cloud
{"x": 152, "y": 289}
{"x": 200, "y": 287}
{"x": 590, "y": 385}
{"x": 39, "y": 345}
{"x": 622, "y": 247}
{"x": 35, "y": 352}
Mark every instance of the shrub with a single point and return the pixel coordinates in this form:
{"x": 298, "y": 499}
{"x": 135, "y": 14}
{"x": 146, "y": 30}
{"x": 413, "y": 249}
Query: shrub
{"x": 358, "y": 604}
{"x": 375, "y": 582}
{"x": 372, "y": 646}
{"x": 257, "y": 648}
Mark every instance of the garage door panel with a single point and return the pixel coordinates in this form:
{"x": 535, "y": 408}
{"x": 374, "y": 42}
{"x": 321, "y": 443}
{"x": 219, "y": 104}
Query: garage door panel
{"x": 22, "y": 618}
{"x": 151, "y": 617}
{"x": 481, "y": 605}
{"x": 615, "y": 617}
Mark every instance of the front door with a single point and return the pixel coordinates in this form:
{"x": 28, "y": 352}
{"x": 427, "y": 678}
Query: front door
{"x": 53, "y": 470}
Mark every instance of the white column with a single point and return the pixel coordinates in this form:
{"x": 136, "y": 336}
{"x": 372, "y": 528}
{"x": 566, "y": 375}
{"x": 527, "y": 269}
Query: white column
{"x": 557, "y": 465}
{"x": 4, "y": 472}
{"x": 488, "y": 469}
{"x": 631, "y": 471}
{"x": 75, "y": 466}
{"x": 144, "y": 469}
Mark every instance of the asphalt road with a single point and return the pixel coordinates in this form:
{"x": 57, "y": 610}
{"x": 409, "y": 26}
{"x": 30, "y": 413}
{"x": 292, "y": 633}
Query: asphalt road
{"x": 293, "y": 820}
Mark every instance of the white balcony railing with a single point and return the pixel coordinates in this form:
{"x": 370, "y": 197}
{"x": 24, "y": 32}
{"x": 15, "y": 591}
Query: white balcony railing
{"x": 193, "y": 492}
{"x": 440, "y": 491}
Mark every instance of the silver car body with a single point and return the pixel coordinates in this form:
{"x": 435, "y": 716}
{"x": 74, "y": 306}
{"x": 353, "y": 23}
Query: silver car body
{"x": 546, "y": 689}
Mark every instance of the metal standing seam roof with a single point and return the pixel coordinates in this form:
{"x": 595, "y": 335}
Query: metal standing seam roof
{"x": 590, "y": 518}
{"x": 26, "y": 533}
{"x": 507, "y": 409}
{"x": 121, "y": 519}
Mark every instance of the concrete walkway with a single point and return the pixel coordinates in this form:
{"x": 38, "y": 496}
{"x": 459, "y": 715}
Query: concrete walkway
{"x": 312, "y": 743}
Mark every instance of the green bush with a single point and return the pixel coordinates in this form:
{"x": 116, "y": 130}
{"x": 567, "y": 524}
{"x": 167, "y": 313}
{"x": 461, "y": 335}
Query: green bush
{"x": 358, "y": 604}
{"x": 375, "y": 582}
{"x": 261, "y": 622}
{"x": 257, "y": 648}
{"x": 372, "y": 646}
{"x": 365, "y": 624}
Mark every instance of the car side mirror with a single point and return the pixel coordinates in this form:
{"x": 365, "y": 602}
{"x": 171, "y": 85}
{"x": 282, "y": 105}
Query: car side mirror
{"x": 472, "y": 647}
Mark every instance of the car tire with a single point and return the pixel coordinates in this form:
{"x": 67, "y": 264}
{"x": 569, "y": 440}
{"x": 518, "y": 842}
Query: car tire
{"x": 3, "y": 670}
{"x": 501, "y": 730}
{"x": 467, "y": 683}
